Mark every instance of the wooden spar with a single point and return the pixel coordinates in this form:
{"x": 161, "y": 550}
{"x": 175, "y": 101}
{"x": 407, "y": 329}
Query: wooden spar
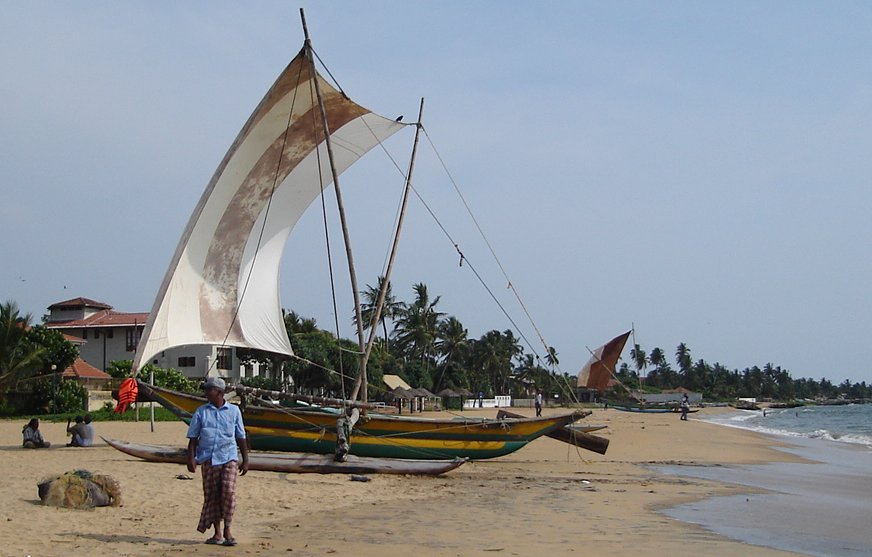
{"x": 587, "y": 441}
{"x": 379, "y": 306}
{"x": 325, "y": 401}
{"x": 340, "y": 205}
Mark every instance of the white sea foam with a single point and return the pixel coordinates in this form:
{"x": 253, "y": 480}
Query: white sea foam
{"x": 845, "y": 424}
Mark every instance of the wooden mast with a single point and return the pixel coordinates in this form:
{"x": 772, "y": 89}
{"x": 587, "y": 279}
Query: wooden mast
{"x": 345, "y": 424}
{"x": 341, "y": 206}
{"x": 376, "y": 317}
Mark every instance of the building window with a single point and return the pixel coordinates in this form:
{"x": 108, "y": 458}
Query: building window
{"x": 225, "y": 358}
{"x": 187, "y": 361}
{"x": 110, "y": 333}
{"x": 132, "y": 338}
{"x": 96, "y": 333}
{"x": 84, "y": 334}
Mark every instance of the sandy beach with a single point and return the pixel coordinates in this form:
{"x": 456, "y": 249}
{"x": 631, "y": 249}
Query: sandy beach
{"x": 546, "y": 499}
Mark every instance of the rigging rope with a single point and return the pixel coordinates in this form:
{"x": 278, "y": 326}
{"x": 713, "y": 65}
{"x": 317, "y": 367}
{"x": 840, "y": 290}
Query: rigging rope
{"x": 327, "y": 243}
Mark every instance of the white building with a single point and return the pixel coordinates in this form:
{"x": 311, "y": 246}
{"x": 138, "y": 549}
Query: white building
{"x": 107, "y": 335}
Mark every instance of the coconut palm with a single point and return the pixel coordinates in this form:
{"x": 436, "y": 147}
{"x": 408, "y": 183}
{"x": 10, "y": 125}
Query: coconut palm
{"x": 683, "y": 359}
{"x": 452, "y": 345}
{"x": 391, "y": 307}
{"x": 417, "y": 327}
{"x": 640, "y": 359}
{"x": 18, "y": 356}
{"x": 492, "y": 355}
{"x": 551, "y": 358}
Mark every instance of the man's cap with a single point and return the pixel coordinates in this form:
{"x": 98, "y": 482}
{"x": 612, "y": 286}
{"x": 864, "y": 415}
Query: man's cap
{"x": 215, "y": 382}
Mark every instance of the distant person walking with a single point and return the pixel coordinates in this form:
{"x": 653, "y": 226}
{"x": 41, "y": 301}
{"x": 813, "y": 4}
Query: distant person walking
{"x": 685, "y": 406}
{"x": 215, "y": 433}
{"x": 32, "y": 437}
{"x": 538, "y": 403}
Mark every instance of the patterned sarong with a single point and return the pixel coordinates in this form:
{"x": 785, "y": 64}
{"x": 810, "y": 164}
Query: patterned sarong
{"x": 219, "y": 494}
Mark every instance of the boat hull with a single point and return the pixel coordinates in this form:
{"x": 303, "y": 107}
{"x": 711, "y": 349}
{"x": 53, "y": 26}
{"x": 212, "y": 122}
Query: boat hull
{"x": 375, "y": 435}
{"x": 298, "y": 463}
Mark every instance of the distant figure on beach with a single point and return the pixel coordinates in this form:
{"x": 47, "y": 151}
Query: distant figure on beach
{"x": 215, "y": 433}
{"x": 764, "y": 412}
{"x": 481, "y": 399}
{"x": 538, "y": 403}
{"x": 82, "y": 432}
{"x": 32, "y": 436}
{"x": 685, "y": 406}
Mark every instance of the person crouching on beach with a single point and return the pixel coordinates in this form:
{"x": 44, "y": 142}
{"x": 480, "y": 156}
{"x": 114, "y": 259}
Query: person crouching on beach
{"x": 215, "y": 432}
{"x": 33, "y": 436}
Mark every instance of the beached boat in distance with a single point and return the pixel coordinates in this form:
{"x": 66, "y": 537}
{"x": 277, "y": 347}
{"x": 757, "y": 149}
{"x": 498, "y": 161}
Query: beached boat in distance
{"x": 298, "y": 463}
{"x": 744, "y": 405}
{"x": 635, "y": 406}
{"x": 313, "y": 430}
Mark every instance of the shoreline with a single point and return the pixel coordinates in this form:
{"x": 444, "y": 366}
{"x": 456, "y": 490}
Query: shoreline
{"x": 819, "y": 507}
{"x": 547, "y": 498}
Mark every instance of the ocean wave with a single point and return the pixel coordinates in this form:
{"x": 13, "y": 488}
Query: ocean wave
{"x": 751, "y": 422}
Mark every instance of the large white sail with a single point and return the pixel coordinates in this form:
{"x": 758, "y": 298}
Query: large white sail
{"x": 222, "y": 286}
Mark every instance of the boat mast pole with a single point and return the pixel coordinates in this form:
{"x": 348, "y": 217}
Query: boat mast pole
{"x": 386, "y": 281}
{"x": 340, "y": 205}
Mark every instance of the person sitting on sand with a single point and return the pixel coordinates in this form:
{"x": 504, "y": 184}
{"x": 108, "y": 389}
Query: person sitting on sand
{"x": 82, "y": 432}
{"x": 33, "y": 437}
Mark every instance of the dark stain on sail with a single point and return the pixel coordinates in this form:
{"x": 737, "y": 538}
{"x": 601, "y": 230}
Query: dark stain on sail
{"x": 224, "y": 257}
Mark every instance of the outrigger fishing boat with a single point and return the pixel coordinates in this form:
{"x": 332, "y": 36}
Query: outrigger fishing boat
{"x": 222, "y": 285}
{"x": 314, "y": 429}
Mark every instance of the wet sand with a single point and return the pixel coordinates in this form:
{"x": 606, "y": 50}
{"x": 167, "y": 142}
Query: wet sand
{"x": 822, "y": 508}
{"x": 546, "y": 499}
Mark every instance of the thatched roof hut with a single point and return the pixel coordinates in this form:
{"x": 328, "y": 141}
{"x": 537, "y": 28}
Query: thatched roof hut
{"x": 398, "y": 393}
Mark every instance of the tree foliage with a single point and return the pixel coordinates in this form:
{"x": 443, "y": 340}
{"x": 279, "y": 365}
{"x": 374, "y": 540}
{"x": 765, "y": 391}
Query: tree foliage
{"x": 19, "y": 356}
{"x": 168, "y": 378}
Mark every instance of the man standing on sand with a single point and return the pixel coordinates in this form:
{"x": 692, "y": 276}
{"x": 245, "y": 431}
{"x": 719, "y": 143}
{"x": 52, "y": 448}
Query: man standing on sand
{"x": 538, "y": 403}
{"x": 215, "y": 432}
{"x": 685, "y": 406}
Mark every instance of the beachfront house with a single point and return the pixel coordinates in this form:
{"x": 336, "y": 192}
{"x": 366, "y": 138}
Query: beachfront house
{"x": 105, "y": 335}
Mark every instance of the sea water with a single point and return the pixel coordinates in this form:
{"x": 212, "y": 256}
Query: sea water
{"x": 823, "y": 508}
{"x": 851, "y": 423}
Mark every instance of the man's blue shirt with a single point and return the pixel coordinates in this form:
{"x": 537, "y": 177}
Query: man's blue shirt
{"x": 217, "y": 430}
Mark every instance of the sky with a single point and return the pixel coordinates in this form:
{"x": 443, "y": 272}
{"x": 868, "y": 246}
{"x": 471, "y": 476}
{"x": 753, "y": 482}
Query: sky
{"x": 698, "y": 171}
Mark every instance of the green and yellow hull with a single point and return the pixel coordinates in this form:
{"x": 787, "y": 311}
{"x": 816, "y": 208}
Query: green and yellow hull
{"x": 376, "y": 435}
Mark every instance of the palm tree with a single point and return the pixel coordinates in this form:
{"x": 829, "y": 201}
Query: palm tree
{"x": 416, "y": 326}
{"x": 452, "y": 344}
{"x": 640, "y": 358}
{"x": 683, "y": 359}
{"x": 493, "y": 355}
{"x": 390, "y": 307}
{"x": 18, "y": 356}
{"x": 297, "y": 324}
{"x": 551, "y": 358}
{"x": 657, "y": 358}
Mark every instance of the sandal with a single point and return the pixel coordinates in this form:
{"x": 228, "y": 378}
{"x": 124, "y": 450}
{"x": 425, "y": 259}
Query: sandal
{"x": 229, "y": 541}
{"x": 213, "y": 541}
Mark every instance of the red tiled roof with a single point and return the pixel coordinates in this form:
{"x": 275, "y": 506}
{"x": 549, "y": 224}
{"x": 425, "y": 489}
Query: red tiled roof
{"x": 104, "y": 318}
{"x": 84, "y": 370}
{"x": 80, "y": 302}
{"x": 74, "y": 339}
